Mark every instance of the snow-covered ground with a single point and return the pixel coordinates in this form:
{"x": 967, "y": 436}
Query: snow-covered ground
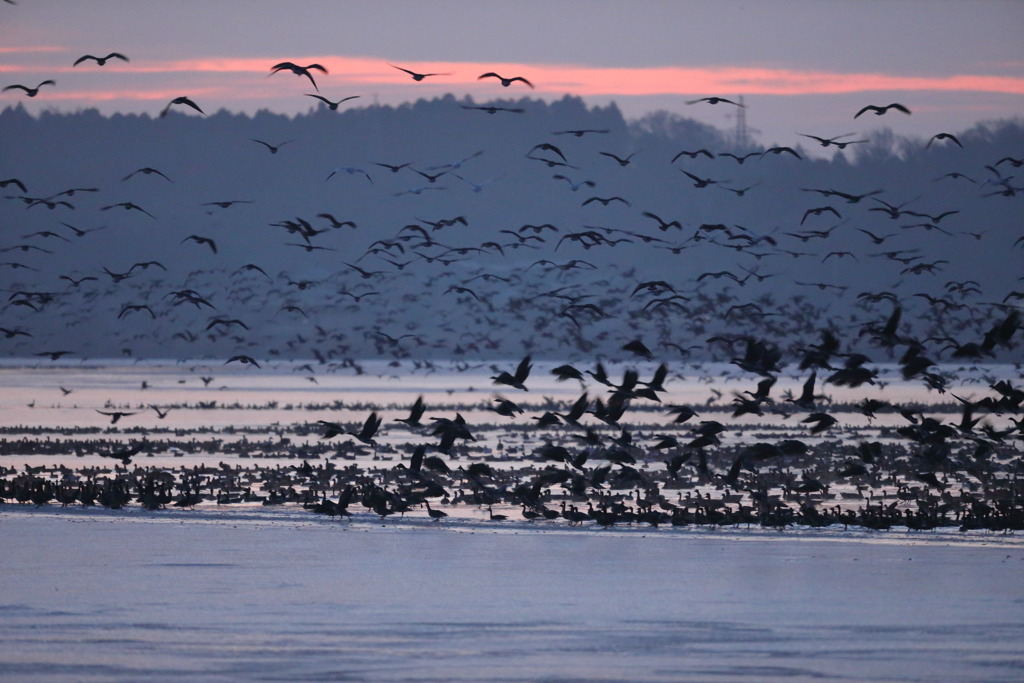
{"x": 283, "y": 594}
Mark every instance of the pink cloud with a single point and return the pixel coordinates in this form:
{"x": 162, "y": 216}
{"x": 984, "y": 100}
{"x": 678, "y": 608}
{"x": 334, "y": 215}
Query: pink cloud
{"x": 550, "y": 79}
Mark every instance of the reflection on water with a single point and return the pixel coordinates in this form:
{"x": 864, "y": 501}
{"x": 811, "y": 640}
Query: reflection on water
{"x": 319, "y": 600}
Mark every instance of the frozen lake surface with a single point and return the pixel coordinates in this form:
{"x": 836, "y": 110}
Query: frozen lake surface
{"x": 280, "y": 594}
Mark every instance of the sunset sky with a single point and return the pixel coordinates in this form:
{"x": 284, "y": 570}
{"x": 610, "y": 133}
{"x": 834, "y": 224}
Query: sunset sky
{"x": 800, "y": 66}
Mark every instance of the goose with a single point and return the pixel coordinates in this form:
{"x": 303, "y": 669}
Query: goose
{"x": 31, "y": 92}
{"x": 350, "y": 170}
{"x": 101, "y": 61}
{"x": 580, "y": 132}
{"x": 518, "y": 378}
{"x": 17, "y": 183}
{"x": 506, "y": 82}
{"x": 368, "y": 430}
{"x": 181, "y": 100}
{"x": 574, "y": 185}
{"x": 199, "y": 239}
{"x": 493, "y": 108}
{"x": 944, "y": 136}
{"x": 127, "y": 206}
{"x": 417, "y": 76}
{"x": 716, "y": 100}
{"x": 115, "y": 416}
{"x": 299, "y": 71}
{"x": 415, "y": 414}
{"x": 333, "y": 106}
{"x": 692, "y": 154}
{"x": 244, "y": 360}
{"x": 227, "y": 203}
{"x": 146, "y": 170}
{"x": 436, "y": 515}
{"x": 878, "y": 111}
{"x": 825, "y": 142}
{"x": 699, "y": 182}
{"x": 543, "y": 146}
{"x": 273, "y": 148}
{"x": 622, "y": 161}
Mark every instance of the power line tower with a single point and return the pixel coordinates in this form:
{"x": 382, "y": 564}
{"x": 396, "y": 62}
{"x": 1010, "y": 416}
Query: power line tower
{"x": 741, "y": 141}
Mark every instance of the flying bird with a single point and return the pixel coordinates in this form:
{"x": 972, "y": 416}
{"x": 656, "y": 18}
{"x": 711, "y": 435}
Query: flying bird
{"x": 515, "y": 380}
{"x": 881, "y": 110}
{"x": 506, "y": 82}
{"x": 273, "y": 148}
{"x": 416, "y": 76}
{"x": 622, "y": 161}
{"x": 181, "y": 100}
{"x": 368, "y": 430}
{"x": 493, "y": 109}
{"x": 147, "y": 171}
{"x": 244, "y": 360}
{"x": 198, "y": 239}
{"x": 115, "y": 415}
{"x": 716, "y": 100}
{"x": 350, "y": 170}
{"x": 31, "y": 92}
{"x": 101, "y": 61}
{"x": 127, "y": 206}
{"x": 298, "y": 70}
{"x": 227, "y": 204}
{"x": 825, "y": 142}
{"x": 781, "y": 150}
{"x": 580, "y": 132}
{"x": 333, "y": 106}
{"x": 944, "y": 136}
{"x": 13, "y": 181}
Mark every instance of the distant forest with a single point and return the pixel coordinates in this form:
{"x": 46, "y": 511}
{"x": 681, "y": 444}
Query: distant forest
{"x": 454, "y": 229}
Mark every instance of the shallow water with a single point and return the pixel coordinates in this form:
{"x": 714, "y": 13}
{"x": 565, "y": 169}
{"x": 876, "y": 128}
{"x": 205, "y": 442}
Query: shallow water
{"x": 247, "y": 591}
{"x": 281, "y": 595}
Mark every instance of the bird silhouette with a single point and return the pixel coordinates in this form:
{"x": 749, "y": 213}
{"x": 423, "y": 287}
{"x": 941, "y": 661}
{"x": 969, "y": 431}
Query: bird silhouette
{"x": 31, "y": 92}
{"x": 368, "y": 430}
{"x": 506, "y": 82}
{"x": 580, "y": 132}
{"x": 299, "y": 70}
{"x": 115, "y": 415}
{"x": 715, "y": 100}
{"x": 333, "y": 106}
{"x": 146, "y": 170}
{"x": 273, "y": 148}
{"x": 493, "y": 108}
{"x": 878, "y": 111}
{"x": 244, "y": 360}
{"x": 417, "y": 76}
{"x": 181, "y": 100}
{"x": 415, "y": 414}
{"x": 692, "y": 154}
{"x": 436, "y": 515}
{"x": 622, "y": 161}
{"x": 944, "y": 136}
{"x": 101, "y": 61}
{"x": 518, "y": 378}
{"x": 825, "y": 142}
{"x": 198, "y": 239}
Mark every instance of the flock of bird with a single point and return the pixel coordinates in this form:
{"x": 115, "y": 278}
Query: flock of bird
{"x": 963, "y": 474}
